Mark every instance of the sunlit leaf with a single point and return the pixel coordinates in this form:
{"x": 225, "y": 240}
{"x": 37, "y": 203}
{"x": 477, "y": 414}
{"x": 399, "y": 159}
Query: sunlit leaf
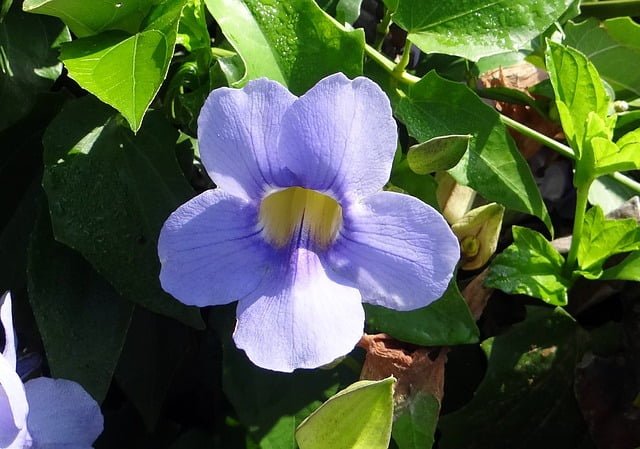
{"x": 126, "y": 71}
{"x": 475, "y": 28}
{"x": 613, "y": 46}
{"x": 602, "y": 238}
{"x": 86, "y": 18}
{"x": 530, "y": 266}
{"x": 446, "y": 321}
{"x": 292, "y": 42}
{"x": 578, "y": 91}
{"x": 492, "y": 166}
{"x": 358, "y": 417}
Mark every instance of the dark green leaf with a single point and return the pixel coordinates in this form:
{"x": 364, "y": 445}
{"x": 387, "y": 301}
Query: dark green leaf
{"x": 109, "y": 194}
{"x": 86, "y": 18}
{"x": 154, "y": 349}
{"x": 127, "y": 71}
{"x": 81, "y": 318}
{"x": 530, "y": 265}
{"x": 4, "y": 8}
{"x": 476, "y": 28}
{"x": 447, "y": 321}
{"x": 292, "y": 42}
{"x": 358, "y": 417}
{"x": 526, "y": 399}
{"x": 602, "y": 238}
{"x": 613, "y": 46}
{"x": 414, "y": 426}
{"x": 422, "y": 187}
{"x": 28, "y": 61}
{"x": 437, "y": 154}
{"x": 492, "y": 166}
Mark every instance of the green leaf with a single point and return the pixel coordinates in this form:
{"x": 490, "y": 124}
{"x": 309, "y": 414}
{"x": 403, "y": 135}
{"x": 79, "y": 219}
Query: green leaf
{"x": 624, "y": 155}
{"x": 444, "y": 322}
{"x": 438, "y": 154}
{"x": 292, "y": 42}
{"x": 153, "y": 351}
{"x": 613, "y": 46}
{"x": 405, "y": 180}
{"x": 5, "y": 5}
{"x": 358, "y": 417}
{"x": 476, "y": 28}
{"x": 81, "y": 318}
{"x": 347, "y": 11}
{"x": 609, "y": 193}
{"x": 526, "y": 398}
{"x": 627, "y": 270}
{"x": 126, "y": 71}
{"x": 578, "y": 91}
{"x": 414, "y": 426}
{"x": 530, "y": 266}
{"x": 28, "y": 61}
{"x": 109, "y": 193}
{"x": 89, "y": 18}
{"x": 493, "y": 165}
{"x": 602, "y": 238}
{"x": 192, "y": 31}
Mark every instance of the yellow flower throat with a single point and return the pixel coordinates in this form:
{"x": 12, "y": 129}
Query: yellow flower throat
{"x": 296, "y": 212}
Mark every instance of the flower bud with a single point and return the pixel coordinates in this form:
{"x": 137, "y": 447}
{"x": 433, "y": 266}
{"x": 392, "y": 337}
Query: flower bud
{"x": 454, "y": 199}
{"x": 478, "y": 232}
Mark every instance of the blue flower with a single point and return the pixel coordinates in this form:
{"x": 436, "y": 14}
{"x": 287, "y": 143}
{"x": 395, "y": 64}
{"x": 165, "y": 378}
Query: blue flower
{"x": 43, "y": 413}
{"x": 299, "y": 230}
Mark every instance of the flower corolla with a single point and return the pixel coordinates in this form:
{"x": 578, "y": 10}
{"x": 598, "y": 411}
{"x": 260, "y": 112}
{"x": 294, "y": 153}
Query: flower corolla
{"x": 298, "y": 229}
{"x": 42, "y": 413}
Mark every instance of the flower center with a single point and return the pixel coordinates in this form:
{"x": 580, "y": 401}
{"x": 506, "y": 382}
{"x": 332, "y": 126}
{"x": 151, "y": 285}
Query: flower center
{"x": 300, "y": 213}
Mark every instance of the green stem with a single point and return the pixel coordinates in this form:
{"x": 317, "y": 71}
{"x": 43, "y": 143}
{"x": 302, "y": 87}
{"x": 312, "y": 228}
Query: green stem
{"x": 610, "y": 8}
{"x": 626, "y": 181}
{"x": 539, "y": 137}
{"x": 383, "y": 29}
{"x": 582, "y": 195}
{"x": 389, "y": 66}
{"x": 562, "y": 149}
{"x": 404, "y": 60}
{"x": 221, "y": 52}
{"x": 558, "y": 147}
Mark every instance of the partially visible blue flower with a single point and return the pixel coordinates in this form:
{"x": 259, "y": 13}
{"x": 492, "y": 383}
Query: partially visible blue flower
{"x": 299, "y": 230}
{"x": 42, "y": 413}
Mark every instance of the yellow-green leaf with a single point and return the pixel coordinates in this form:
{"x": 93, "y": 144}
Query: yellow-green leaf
{"x": 358, "y": 417}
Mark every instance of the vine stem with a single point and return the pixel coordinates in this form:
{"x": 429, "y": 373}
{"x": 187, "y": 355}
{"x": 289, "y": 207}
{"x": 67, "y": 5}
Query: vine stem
{"x": 582, "y": 195}
{"x": 562, "y": 149}
{"x": 404, "y": 60}
{"x": 558, "y": 147}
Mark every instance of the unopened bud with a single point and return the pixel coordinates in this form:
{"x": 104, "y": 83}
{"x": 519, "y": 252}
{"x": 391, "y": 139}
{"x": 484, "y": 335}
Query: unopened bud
{"x": 478, "y": 231}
